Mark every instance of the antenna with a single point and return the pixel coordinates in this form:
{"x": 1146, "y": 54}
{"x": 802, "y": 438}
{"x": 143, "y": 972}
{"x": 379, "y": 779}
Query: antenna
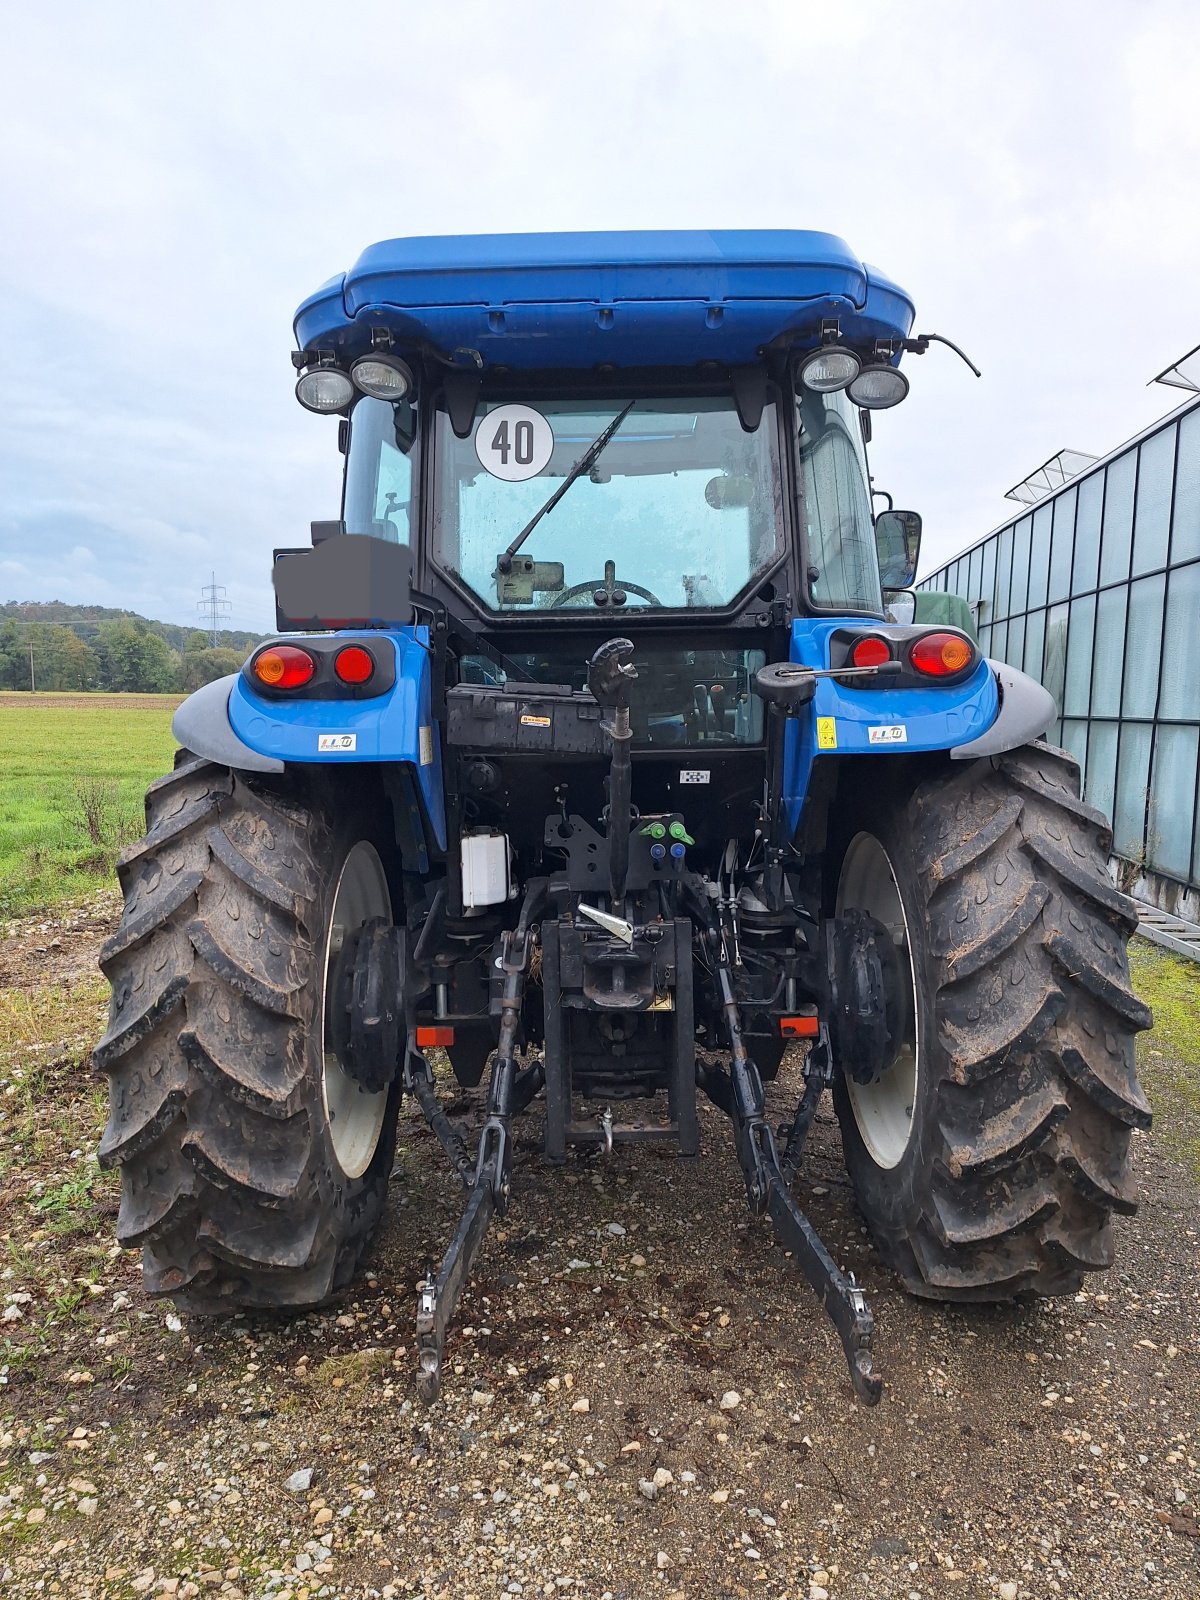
{"x": 213, "y": 606}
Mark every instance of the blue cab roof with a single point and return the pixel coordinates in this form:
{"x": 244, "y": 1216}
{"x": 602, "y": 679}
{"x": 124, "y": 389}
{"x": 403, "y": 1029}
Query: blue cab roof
{"x": 540, "y": 301}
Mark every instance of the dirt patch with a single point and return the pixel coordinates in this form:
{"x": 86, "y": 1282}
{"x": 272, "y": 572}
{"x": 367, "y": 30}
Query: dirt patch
{"x": 56, "y": 948}
{"x": 1039, "y": 1451}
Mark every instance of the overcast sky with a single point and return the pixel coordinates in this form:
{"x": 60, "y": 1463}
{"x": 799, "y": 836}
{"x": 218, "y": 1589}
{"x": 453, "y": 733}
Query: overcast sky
{"x": 173, "y": 182}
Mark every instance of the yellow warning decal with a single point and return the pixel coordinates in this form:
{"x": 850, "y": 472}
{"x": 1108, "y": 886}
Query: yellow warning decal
{"x": 826, "y": 733}
{"x": 530, "y": 721}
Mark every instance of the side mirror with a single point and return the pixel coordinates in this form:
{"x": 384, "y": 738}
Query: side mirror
{"x": 898, "y": 541}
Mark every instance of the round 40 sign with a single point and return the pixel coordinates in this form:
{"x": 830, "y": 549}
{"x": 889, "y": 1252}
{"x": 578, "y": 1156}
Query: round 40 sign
{"x": 513, "y": 442}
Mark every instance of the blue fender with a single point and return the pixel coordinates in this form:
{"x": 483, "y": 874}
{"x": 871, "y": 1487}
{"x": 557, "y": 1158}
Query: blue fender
{"x": 841, "y": 721}
{"x": 262, "y": 733}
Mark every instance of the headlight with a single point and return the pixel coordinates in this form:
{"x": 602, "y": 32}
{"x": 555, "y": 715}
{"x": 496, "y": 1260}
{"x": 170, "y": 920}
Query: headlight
{"x": 829, "y": 368}
{"x": 878, "y": 387}
{"x": 382, "y": 377}
{"x": 324, "y": 389}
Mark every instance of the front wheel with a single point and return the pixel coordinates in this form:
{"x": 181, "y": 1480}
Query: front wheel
{"x": 254, "y": 1167}
{"x": 992, "y": 1148}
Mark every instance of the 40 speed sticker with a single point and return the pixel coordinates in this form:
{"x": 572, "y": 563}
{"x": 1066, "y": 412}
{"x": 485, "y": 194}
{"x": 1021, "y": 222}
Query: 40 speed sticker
{"x": 336, "y": 741}
{"x": 513, "y": 442}
{"x": 891, "y": 733}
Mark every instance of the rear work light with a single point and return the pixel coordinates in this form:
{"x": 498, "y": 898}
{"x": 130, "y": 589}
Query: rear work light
{"x": 940, "y": 655}
{"x": 283, "y": 666}
{"x": 871, "y": 653}
{"x": 354, "y": 664}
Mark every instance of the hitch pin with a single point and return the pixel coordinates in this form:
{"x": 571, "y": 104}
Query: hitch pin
{"x": 606, "y": 1127}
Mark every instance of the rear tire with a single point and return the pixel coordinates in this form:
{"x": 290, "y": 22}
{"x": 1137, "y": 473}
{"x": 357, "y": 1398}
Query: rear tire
{"x": 1003, "y": 1177}
{"x": 254, "y": 1172}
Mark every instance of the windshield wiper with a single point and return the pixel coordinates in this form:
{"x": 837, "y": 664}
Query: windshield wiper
{"x": 585, "y": 464}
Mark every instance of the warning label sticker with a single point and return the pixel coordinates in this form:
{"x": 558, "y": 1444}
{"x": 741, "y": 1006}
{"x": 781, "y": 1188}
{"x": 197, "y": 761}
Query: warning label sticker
{"x": 528, "y": 720}
{"x": 826, "y": 733}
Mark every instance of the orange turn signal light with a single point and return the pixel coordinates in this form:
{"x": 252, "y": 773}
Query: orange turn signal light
{"x": 427, "y": 1038}
{"x": 800, "y": 1027}
{"x": 283, "y": 666}
{"x": 940, "y": 655}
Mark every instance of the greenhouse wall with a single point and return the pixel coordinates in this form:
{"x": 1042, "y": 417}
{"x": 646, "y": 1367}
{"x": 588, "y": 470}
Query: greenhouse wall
{"x": 1095, "y": 591}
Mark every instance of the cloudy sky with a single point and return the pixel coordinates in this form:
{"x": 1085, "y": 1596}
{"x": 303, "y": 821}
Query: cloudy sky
{"x": 173, "y": 181}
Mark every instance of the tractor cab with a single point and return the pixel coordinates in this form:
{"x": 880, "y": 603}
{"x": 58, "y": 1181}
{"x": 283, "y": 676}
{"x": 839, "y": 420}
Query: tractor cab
{"x": 658, "y": 436}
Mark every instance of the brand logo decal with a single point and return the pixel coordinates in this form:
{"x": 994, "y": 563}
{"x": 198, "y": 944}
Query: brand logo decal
{"x": 892, "y": 733}
{"x": 336, "y": 741}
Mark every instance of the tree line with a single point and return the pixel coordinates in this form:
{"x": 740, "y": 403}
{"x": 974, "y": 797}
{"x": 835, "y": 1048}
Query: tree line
{"x": 122, "y": 654}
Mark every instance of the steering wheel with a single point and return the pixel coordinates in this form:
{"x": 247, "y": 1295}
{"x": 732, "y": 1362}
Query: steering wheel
{"x": 615, "y": 594}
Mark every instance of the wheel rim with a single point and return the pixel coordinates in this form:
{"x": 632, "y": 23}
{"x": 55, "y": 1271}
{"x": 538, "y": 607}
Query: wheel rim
{"x": 354, "y": 1116}
{"x": 884, "y": 1108}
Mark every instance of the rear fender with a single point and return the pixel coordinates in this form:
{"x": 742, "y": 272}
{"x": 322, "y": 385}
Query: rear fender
{"x": 841, "y": 721}
{"x": 263, "y": 733}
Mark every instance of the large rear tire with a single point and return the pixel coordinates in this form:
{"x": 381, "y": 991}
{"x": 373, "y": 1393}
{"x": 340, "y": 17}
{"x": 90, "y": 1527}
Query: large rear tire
{"x": 254, "y": 1169}
{"x": 989, "y": 1156}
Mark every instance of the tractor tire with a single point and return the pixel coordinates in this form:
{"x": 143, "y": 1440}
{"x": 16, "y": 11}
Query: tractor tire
{"x": 239, "y": 1183}
{"x": 991, "y": 1168}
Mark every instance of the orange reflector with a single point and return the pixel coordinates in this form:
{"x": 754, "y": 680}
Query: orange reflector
{"x": 427, "y": 1037}
{"x": 799, "y": 1027}
{"x": 940, "y": 655}
{"x": 283, "y": 666}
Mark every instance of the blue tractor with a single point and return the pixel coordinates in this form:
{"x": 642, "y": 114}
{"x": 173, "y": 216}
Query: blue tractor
{"x": 592, "y": 751}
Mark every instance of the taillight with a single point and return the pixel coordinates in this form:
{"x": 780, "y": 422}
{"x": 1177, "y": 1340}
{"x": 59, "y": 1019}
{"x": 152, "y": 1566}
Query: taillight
{"x": 871, "y": 653}
{"x": 940, "y": 655}
{"x": 283, "y": 666}
{"x": 354, "y": 664}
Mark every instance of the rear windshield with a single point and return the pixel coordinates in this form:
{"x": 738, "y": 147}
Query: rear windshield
{"x": 680, "y": 509}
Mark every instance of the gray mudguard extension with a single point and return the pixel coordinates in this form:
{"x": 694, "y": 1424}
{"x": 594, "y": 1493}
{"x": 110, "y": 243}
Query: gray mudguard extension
{"x": 202, "y": 725}
{"x": 1026, "y": 711}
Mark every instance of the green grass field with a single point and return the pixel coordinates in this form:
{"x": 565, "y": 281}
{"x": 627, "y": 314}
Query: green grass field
{"x": 73, "y": 769}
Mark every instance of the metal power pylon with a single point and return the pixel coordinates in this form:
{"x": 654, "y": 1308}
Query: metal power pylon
{"x": 212, "y": 607}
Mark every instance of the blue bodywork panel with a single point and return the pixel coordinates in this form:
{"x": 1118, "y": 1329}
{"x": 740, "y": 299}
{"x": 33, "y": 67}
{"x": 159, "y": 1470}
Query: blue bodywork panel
{"x": 562, "y": 300}
{"x": 396, "y": 726}
{"x": 876, "y": 722}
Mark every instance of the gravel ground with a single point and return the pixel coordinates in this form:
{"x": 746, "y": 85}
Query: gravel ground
{"x": 643, "y": 1397}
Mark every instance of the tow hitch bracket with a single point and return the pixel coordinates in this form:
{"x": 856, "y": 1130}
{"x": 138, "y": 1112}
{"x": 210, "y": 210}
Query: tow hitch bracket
{"x": 509, "y": 1092}
{"x": 740, "y": 1095}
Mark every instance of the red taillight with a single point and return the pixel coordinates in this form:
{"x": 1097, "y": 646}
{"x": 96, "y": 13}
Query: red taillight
{"x": 283, "y": 666}
{"x": 428, "y": 1037}
{"x": 353, "y": 664}
{"x": 940, "y": 655}
{"x": 871, "y": 653}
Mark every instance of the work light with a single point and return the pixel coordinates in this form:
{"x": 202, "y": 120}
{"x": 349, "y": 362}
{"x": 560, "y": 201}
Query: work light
{"x": 324, "y": 390}
{"x": 832, "y": 367}
{"x": 878, "y": 387}
{"x": 382, "y": 377}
